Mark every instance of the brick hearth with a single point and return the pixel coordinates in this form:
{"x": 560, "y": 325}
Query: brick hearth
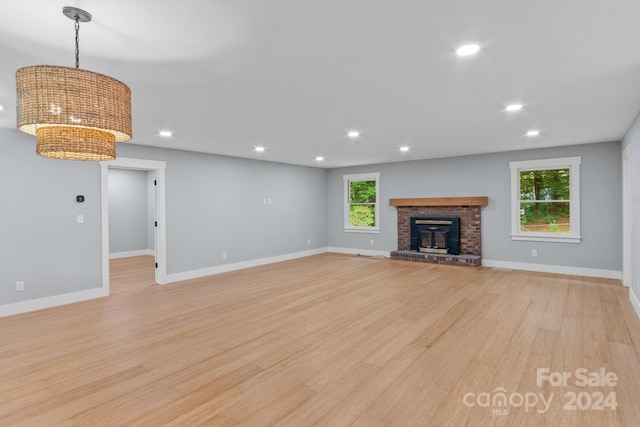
{"x": 470, "y": 229}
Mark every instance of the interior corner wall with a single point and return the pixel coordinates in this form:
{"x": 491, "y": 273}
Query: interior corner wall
{"x": 489, "y": 175}
{"x": 128, "y": 210}
{"x": 632, "y": 140}
{"x": 219, "y": 204}
{"x": 41, "y": 242}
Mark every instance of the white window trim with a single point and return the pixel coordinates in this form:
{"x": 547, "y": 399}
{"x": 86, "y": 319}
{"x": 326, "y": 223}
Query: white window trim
{"x": 573, "y": 163}
{"x": 371, "y": 176}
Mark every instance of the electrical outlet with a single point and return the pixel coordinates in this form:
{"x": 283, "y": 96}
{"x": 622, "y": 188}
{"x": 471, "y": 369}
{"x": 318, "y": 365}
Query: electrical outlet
{"x": 80, "y": 219}
{"x": 269, "y": 200}
{"x": 534, "y": 252}
{"x": 224, "y": 255}
{"x": 264, "y": 201}
{"x": 19, "y": 286}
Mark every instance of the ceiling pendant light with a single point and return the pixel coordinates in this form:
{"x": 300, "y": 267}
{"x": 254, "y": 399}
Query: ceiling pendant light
{"x": 75, "y": 114}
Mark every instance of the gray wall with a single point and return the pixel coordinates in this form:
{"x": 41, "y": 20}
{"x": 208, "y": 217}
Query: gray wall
{"x": 632, "y": 139}
{"x": 128, "y": 210}
{"x": 489, "y": 175}
{"x": 215, "y": 205}
{"x": 40, "y": 241}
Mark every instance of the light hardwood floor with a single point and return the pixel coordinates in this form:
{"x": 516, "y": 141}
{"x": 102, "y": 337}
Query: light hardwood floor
{"x": 332, "y": 340}
{"x": 126, "y": 274}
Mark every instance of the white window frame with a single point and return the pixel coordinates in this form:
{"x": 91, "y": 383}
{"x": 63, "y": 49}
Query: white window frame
{"x": 573, "y": 164}
{"x": 371, "y": 176}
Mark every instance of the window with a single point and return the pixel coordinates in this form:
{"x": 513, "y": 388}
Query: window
{"x": 361, "y": 208}
{"x": 545, "y": 200}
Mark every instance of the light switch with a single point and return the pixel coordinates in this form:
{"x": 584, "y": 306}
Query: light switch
{"x": 80, "y": 219}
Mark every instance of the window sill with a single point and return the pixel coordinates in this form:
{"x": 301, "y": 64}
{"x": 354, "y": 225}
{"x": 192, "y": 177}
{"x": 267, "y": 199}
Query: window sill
{"x": 362, "y": 230}
{"x": 547, "y": 238}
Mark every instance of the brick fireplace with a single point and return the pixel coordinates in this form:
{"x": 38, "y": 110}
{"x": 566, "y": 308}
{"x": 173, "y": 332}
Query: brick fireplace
{"x": 468, "y": 209}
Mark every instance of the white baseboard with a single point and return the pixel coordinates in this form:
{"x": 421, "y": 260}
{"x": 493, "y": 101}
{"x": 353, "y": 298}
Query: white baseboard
{"x": 128, "y": 254}
{"x": 634, "y": 301}
{"x": 557, "y": 269}
{"x": 42, "y": 303}
{"x": 194, "y": 274}
{"x": 364, "y": 252}
{"x": 53, "y": 301}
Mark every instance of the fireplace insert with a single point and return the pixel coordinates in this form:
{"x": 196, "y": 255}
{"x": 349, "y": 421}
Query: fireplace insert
{"x": 435, "y": 235}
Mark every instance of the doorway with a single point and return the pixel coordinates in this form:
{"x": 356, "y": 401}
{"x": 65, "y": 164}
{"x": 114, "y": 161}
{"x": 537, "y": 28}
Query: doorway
{"x": 132, "y": 213}
{"x": 156, "y": 171}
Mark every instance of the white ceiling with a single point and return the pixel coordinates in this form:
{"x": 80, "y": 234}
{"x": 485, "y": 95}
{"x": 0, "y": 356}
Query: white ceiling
{"x": 295, "y": 76}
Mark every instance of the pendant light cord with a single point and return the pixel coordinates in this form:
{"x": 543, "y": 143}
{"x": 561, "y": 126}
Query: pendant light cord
{"x": 77, "y": 41}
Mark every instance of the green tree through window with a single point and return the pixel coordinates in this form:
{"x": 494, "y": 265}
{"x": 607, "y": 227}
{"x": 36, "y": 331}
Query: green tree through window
{"x": 545, "y": 200}
{"x": 362, "y": 203}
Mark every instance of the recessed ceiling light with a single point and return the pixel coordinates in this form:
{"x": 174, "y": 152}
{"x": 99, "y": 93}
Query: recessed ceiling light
{"x": 468, "y": 50}
{"x": 404, "y": 148}
{"x": 259, "y": 149}
{"x": 353, "y": 134}
{"x": 319, "y": 159}
{"x": 165, "y": 133}
{"x": 513, "y": 107}
{"x": 533, "y": 132}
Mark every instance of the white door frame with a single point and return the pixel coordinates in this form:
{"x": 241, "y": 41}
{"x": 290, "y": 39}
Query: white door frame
{"x": 626, "y": 216}
{"x": 159, "y": 168}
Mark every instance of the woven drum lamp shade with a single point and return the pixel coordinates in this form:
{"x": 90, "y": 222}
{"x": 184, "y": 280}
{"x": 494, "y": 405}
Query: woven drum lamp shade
{"x": 75, "y": 114}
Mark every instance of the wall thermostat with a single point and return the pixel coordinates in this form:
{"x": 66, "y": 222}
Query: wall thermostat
{"x": 80, "y": 198}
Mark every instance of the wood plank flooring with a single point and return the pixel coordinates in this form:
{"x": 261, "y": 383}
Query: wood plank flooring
{"x": 329, "y": 340}
{"x": 126, "y": 274}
